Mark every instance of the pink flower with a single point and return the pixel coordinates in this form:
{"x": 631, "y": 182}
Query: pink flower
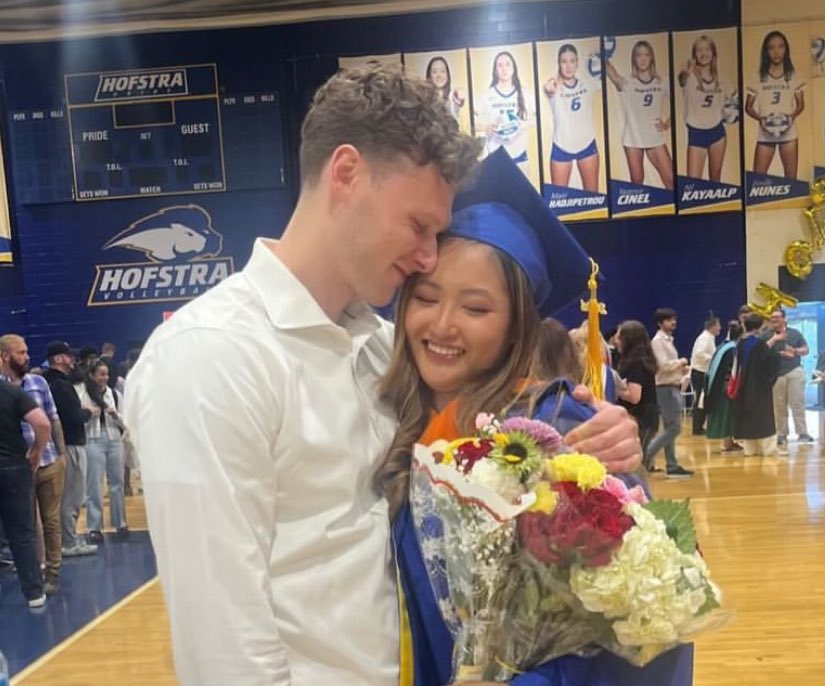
{"x": 542, "y": 433}
{"x": 625, "y": 495}
{"x": 483, "y": 420}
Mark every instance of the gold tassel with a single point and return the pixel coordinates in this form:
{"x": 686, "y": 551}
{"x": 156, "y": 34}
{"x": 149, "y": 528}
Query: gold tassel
{"x": 594, "y": 363}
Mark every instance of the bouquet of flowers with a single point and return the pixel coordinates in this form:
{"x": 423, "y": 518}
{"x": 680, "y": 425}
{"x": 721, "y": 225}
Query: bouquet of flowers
{"x": 534, "y": 553}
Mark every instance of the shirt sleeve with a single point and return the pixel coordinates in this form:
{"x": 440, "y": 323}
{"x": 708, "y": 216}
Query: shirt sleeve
{"x": 204, "y": 435}
{"x": 798, "y": 340}
{"x": 48, "y": 401}
{"x": 23, "y": 402}
{"x": 662, "y": 360}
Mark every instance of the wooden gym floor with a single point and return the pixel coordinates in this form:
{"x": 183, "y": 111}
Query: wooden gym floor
{"x": 761, "y": 523}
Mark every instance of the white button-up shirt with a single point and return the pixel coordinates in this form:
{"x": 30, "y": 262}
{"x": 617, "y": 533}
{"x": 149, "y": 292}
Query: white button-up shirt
{"x": 667, "y": 358}
{"x": 259, "y": 431}
{"x": 703, "y": 348}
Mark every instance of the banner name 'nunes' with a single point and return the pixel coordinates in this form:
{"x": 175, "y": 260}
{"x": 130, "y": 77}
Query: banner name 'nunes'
{"x": 182, "y": 259}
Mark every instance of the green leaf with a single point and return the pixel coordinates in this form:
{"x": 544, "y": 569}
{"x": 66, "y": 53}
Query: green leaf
{"x": 678, "y": 522}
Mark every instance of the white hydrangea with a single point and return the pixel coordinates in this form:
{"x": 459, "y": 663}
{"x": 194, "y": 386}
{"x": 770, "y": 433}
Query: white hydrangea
{"x": 651, "y": 589}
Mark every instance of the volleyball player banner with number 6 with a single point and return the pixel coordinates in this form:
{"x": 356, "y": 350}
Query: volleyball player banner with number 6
{"x": 571, "y": 110}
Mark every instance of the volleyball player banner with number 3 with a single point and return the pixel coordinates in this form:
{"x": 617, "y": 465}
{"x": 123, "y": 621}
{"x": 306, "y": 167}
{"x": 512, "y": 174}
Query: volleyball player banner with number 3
{"x": 776, "y": 68}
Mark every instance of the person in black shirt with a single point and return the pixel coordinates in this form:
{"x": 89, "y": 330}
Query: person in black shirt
{"x": 16, "y": 466}
{"x": 73, "y": 417}
{"x": 637, "y": 366}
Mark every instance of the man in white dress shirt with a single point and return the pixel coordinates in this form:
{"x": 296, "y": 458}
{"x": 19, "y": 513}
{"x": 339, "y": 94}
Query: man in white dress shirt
{"x": 703, "y": 348}
{"x": 255, "y": 415}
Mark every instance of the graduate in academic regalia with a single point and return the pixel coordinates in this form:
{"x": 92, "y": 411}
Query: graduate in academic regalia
{"x": 717, "y": 402}
{"x": 751, "y": 391}
{"x": 465, "y": 336}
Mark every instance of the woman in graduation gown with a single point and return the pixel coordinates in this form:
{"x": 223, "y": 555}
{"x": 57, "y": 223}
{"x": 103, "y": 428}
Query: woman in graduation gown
{"x": 717, "y": 402}
{"x": 465, "y": 338}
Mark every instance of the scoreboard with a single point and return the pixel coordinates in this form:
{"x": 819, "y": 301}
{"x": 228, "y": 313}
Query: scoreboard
{"x": 146, "y": 132}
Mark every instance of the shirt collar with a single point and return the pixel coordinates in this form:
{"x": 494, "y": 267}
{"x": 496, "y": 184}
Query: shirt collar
{"x": 288, "y": 303}
{"x": 664, "y": 335}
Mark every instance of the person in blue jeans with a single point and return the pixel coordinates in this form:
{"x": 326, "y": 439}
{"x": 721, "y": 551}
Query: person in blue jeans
{"x": 104, "y": 452}
{"x": 16, "y": 466}
{"x": 465, "y": 341}
{"x": 671, "y": 369}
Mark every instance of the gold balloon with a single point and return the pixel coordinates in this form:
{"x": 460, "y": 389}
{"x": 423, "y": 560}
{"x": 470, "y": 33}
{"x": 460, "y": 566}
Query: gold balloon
{"x": 818, "y": 191}
{"x": 815, "y": 215}
{"x": 799, "y": 259}
{"x": 774, "y": 298}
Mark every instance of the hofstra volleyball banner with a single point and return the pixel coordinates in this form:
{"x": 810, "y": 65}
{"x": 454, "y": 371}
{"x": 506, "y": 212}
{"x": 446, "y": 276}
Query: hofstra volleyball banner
{"x": 571, "y": 111}
{"x": 708, "y": 109}
{"x": 776, "y": 67}
{"x": 640, "y": 130}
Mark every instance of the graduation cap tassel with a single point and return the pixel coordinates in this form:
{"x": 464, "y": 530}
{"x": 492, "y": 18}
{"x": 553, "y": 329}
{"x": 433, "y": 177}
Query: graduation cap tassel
{"x": 594, "y": 363}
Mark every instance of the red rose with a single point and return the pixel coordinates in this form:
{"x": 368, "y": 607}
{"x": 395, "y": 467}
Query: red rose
{"x": 585, "y": 527}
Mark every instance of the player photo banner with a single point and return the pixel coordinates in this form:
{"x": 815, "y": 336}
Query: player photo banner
{"x": 447, "y": 69}
{"x": 572, "y": 128}
{"x": 708, "y": 108}
{"x": 504, "y": 106}
{"x": 638, "y": 103}
{"x": 776, "y": 64}
{"x": 818, "y": 95}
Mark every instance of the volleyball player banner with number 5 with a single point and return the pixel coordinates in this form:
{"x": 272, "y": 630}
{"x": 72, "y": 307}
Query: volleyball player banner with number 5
{"x": 571, "y": 110}
{"x": 639, "y": 124}
{"x": 707, "y": 112}
{"x": 776, "y": 67}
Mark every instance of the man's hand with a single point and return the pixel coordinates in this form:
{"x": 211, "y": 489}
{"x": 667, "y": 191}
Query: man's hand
{"x": 33, "y": 457}
{"x": 612, "y": 435}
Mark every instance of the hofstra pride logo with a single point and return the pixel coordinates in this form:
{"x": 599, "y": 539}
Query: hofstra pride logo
{"x": 181, "y": 259}
{"x": 129, "y": 85}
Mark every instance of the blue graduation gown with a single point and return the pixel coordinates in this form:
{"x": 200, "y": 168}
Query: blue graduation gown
{"x": 433, "y": 643}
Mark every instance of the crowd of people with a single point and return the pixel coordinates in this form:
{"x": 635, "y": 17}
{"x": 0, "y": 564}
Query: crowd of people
{"x": 61, "y": 433}
{"x": 741, "y": 391}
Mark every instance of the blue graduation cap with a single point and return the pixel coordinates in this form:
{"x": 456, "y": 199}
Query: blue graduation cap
{"x": 502, "y": 209}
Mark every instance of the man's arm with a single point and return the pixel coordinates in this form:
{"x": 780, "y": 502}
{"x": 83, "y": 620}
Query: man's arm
{"x": 660, "y": 352}
{"x": 50, "y": 409}
{"x": 203, "y": 430}
{"x": 42, "y": 430}
{"x": 68, "y": 403}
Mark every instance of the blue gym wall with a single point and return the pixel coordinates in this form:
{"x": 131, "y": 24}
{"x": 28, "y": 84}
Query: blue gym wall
{"x": 691, "y": 263}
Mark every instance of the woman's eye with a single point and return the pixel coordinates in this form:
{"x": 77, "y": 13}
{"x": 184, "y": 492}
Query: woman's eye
{"x": 477, "y": 310}
{"x": 424, "y": 299}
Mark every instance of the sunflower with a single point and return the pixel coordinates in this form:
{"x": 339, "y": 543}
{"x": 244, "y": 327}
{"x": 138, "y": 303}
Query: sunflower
{"x": 518, "y": 453}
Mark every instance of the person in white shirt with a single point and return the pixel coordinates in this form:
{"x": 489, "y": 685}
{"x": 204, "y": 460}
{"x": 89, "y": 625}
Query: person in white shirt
{"x": 671, "y": 369}
{"x": 775, "y": 99}
{"x": 506, "y": 110}
{"x": 573, "y": 100}
{"x": 705, "y": 96}
{"x": 255, "y": 413}
{"x": 703, "y": 348}
{"x": 645, "y": 100}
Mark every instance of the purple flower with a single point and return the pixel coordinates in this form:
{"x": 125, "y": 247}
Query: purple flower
{"x": 545, "y": 435}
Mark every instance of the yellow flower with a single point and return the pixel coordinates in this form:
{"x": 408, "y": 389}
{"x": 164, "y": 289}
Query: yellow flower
{"x": 546, "y": 498}
{"x": 585, "y": 470}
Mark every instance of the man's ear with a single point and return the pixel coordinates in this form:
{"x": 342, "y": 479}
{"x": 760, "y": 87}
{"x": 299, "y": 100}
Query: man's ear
{"x": 346, "y": 164}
